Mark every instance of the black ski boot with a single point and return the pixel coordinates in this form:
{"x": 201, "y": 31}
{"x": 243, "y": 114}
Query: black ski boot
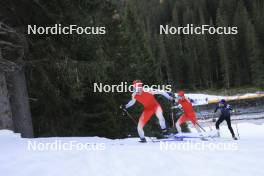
{"x": 165, "y": 133}
{"x": 142, "y": 140}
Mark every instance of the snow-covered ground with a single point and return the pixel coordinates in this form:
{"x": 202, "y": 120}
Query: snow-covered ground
{"x": 127, "y": 157}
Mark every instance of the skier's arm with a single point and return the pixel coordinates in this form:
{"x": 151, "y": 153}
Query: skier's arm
{"x": 131, "y": 102}
{"x": 160, "y": 92}
{"x": 229, "y": 107}
{"x": 216, "y": 108}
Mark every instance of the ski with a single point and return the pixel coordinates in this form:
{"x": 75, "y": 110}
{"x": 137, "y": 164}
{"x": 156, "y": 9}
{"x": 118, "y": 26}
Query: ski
{"x": 167, "y": 140}
{"x": 180, "y": 138}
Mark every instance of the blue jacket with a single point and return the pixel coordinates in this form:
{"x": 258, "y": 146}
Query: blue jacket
{"x": 225, "y": 110}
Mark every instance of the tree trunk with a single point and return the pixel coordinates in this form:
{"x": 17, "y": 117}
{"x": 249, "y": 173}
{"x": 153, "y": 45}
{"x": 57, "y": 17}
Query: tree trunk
{"x": 6, "y": 121}
{"x": 20, "y": 103}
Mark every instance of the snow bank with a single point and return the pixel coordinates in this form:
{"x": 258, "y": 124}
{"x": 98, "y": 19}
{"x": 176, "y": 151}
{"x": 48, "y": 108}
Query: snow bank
{"x": 125, "y": 157}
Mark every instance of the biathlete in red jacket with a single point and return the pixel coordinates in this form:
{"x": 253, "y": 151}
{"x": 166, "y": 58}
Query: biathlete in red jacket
{"x": 151, "y": 106}
{"x": 188, "y": 115}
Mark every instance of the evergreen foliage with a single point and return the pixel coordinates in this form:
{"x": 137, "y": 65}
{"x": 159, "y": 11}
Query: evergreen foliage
{"x": 61, "y": 69}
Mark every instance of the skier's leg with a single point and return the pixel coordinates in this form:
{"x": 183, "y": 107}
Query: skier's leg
{"x": 178, "y": 127}
{"x": 194, "y": 121}
{"x": 228, "y": 121}
{"x": 220, "y": 120}
{"x": 162, "y": 123}
{"x": 161, "y": 118}
{"x": 144, "y": 118}
{"x": 180, "y": 121}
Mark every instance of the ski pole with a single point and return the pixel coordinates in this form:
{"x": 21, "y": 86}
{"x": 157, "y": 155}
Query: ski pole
{"x": 237, "y": 131}
{"x": 130, "y": 116}
{"x": 134, "y": 120}
{"x": 209, "y": 125}
{"x": 200, "y": 126}
{"x": 203, "y": 129}
{"x": 172, "y": 117}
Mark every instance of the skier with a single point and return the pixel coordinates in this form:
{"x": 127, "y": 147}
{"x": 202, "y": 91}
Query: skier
{"x": 151, "y": 106}
{"x": 189, "y": 114}
{"x": 225, "y": 115}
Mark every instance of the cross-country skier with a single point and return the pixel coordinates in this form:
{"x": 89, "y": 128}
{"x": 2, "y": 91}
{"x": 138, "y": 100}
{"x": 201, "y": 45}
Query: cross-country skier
{"x": 189, "y": 114}
{"x": 225, "y": 115}
{"x": 151, "y": 107}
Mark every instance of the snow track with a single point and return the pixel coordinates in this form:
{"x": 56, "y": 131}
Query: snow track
{"x": 127, "y": 157}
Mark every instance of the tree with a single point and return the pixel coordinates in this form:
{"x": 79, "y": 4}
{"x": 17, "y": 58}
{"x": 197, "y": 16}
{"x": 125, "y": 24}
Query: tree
{"x": 12, "y": 49}
{"x": 224, "y": 45}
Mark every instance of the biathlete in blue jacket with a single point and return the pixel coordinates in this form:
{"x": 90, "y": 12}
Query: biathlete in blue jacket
{"x": 225, "y": 115}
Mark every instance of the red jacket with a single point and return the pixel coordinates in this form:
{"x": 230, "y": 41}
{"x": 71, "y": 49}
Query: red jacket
{"x": 146, "y": 99}
{"x": 186, "y": 106}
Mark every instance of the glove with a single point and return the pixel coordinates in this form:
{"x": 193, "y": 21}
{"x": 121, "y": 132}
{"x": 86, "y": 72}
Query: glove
{"x": 176, "y": 107}
{"x": 176, "y": 99}
{"x": 123, "y": 107}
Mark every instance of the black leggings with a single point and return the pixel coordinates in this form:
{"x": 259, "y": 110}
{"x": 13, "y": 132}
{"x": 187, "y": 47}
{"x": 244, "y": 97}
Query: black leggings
{"x": 228, "y": 121}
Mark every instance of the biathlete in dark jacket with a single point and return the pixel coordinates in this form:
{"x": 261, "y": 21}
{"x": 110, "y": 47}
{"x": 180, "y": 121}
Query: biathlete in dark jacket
{"x": 225, "y": 115}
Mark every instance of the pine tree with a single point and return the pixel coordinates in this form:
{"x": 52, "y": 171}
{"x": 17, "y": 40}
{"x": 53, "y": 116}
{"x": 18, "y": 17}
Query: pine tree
{"x": 221, "y": 19}
{"x": 242, "y": 45}
{"x": 257, "y": 60}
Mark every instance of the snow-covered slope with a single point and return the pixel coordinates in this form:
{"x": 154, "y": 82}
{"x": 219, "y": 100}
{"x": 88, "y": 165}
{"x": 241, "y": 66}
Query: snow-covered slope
{"x": 127, "y": 157}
